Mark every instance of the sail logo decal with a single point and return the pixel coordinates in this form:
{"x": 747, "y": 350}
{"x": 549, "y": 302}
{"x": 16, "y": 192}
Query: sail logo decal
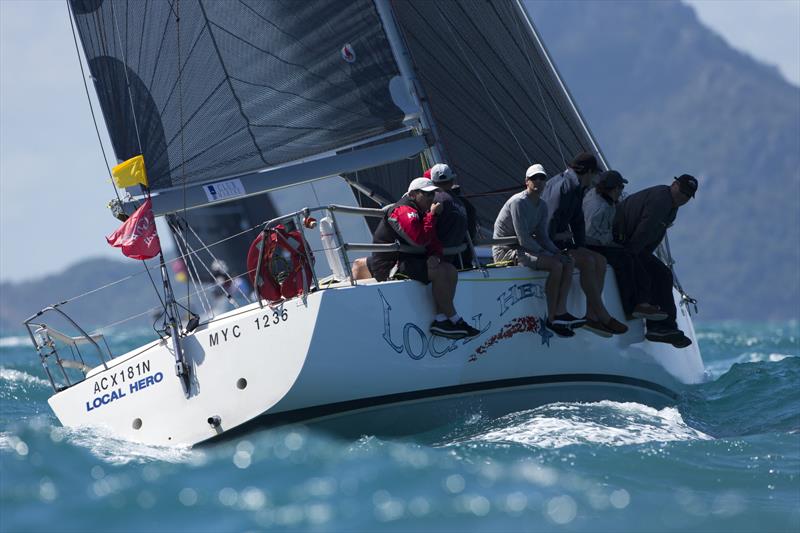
{"x": 415, "y": 343}
{"x": 516, "y": 293}
{"x": 348, "y": 54}
{"x": 224, "y": 189}
{"x": 523, "y": 324}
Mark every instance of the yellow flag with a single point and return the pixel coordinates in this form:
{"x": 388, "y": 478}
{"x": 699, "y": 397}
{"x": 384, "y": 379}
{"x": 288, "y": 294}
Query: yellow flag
{"x": 130, "y": 172}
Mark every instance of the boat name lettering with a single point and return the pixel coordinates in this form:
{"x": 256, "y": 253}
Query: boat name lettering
{"x": 516, "y": 293}
{"x": 116, "y": 378}
{"x": 416, "y": 343}
{"x": 273, "y": 318}
{"x": 133, "y": 387}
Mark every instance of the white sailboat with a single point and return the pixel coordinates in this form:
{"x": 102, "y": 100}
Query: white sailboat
{"x": 230, "y": 101}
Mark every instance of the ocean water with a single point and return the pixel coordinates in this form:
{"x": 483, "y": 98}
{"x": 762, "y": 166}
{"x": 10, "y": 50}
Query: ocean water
{"x": 726, "y": 458}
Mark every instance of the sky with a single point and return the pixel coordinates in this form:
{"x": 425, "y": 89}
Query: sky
{"x": 54, "y": 185}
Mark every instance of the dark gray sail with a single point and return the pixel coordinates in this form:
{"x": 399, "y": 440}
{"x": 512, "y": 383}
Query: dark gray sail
{"x": 496, "y": 100}
{"x": 207, "y": 89}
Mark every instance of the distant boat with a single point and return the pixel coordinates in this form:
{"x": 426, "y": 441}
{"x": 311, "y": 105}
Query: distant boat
{"x": 346, "y": 100}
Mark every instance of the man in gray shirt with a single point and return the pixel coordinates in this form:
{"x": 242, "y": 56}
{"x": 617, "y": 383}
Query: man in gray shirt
{"x": 524, "y": 216}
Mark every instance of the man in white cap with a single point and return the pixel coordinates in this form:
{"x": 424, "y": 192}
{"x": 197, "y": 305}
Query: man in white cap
{"x": 523, "y": 216}
{"x": 412, "y": 221}
{"x": 457, "y": 217}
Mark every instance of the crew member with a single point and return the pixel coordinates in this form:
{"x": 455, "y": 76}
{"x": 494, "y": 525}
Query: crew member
{"x": 564, "y": 197}
{"x": 524, "y": 216}
{"x": 599, "y": 208}
{"x": 412, "y": 221}
{"x": 640, "y": 224}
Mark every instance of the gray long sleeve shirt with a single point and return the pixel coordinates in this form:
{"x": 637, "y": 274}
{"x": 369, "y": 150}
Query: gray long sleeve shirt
{"x": 520, "y": 217}
{"x": 599, "y": 216}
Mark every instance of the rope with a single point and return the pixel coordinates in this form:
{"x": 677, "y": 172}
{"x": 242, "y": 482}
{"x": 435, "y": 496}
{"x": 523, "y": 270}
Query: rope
{"x": 480, "y": 79}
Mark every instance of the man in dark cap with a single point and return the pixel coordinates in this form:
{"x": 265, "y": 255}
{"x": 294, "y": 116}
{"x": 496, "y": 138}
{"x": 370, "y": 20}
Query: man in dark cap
{"x": 599, "y": 209}
{"x": 563, "y": 195}
{"x": 640, "y": 224}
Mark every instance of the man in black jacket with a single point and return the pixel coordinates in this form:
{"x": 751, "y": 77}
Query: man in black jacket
{"x": 563, "y": 195}
{"x": 457, "y": 217}
{"x": 640, "y": 224}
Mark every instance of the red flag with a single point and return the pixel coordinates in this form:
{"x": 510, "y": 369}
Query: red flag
{"x": 137, "y": 236}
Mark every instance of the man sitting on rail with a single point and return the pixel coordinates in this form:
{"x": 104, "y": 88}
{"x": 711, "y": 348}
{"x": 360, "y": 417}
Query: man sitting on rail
{"x": 523, "y": 216}
{"x": 412, "y": 221}
{"x": 564, "y": 197}
{"x": 599, "y": 208}
{"x": 640, "y": 224}
{"x": 457, "y": 217}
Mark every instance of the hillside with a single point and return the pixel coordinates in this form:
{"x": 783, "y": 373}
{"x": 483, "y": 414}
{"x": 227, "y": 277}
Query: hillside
{"x": 18, "y": 301}
{"x": 665, "y": 95}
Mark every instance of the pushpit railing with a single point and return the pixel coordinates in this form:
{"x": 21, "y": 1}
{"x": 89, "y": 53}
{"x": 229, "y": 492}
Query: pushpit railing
{"x": 46, "y": 340}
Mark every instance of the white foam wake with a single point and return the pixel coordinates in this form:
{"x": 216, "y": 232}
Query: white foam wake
{"x": 606, "y": 423}
{"x": 117, "y": 451}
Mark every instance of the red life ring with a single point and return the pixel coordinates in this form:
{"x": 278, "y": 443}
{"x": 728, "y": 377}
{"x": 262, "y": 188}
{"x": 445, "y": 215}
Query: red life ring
{"x": 285, "y": 261}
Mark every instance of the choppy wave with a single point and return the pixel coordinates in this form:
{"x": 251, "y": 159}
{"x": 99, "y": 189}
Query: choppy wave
{"x": 13, "y": 377}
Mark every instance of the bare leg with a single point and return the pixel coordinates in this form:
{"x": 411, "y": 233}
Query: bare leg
{"x": 552, "y": 287}
{"x": 595, "y": 310}
{"x": 360, "y": 270}
{"x": 444, "y": 278}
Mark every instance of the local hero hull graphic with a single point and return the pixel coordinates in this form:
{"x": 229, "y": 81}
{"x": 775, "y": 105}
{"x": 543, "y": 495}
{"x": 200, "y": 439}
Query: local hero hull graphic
{"x": 366, "y": 349}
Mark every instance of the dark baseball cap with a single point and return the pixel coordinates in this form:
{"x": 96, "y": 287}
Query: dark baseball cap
{"x": 687, "y": 184}
{"x": 584, "y": 162}
{"x": 610, "y": 179}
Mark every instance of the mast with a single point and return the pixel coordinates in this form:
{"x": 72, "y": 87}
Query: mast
{"x": 403, "y": 59}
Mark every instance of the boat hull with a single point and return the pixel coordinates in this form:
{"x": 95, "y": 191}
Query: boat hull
{"x": 366, "y": 351}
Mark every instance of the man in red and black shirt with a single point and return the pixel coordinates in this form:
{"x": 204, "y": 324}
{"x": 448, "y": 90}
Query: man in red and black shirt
{"x": 412, "y": 221}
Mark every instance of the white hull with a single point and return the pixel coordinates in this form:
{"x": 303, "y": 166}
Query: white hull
{"x": 358, "y": 348}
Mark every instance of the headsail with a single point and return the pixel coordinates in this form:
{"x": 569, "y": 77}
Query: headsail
{"x": 236, "y": 86}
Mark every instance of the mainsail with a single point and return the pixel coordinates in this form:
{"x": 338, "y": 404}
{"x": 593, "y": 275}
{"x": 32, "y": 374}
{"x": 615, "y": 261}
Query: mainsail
{"x": 207, "y": 89}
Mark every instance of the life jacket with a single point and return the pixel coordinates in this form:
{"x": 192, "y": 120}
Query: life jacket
{"x": 386, "y": 234}
{"x": 286, "y": 264}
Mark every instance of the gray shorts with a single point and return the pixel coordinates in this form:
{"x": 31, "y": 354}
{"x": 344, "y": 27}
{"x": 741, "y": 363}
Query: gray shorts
{"x": 519, "y": 257}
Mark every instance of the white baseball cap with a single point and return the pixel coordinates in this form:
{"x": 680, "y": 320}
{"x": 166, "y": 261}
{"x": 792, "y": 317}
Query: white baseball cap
{"x": 422, "y": 184}
{"x": 535, "y": 169}
{"x": 441, "y": 172}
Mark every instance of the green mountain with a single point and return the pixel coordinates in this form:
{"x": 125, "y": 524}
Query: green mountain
{"x": 664, "y": 95}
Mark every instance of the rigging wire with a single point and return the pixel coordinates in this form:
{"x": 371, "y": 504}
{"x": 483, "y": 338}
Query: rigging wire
{"x": 539, "y": 87}
{"x": 447, "y": 25}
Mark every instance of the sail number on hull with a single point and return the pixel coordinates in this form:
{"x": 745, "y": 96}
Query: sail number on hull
{"x": 270, "y": 319}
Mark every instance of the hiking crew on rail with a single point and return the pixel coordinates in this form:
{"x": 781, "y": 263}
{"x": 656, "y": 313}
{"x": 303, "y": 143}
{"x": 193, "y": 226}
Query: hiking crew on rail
{"x": 551, "y": 238}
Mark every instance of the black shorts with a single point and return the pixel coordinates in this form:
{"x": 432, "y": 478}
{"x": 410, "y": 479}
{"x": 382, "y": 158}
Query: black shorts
{"x": 379, "y": 267}
{"x": 415, "y": 268}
